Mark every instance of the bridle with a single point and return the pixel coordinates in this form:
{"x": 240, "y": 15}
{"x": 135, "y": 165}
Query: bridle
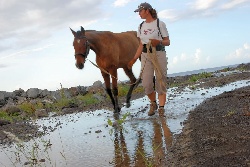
{"x": 87, "y": 47}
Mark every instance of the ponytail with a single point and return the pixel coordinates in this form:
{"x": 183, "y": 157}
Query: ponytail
{"x": 153, "y": 13}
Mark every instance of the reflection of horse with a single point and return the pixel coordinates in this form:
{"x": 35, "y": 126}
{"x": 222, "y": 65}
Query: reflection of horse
{"x": 113, "y": 51}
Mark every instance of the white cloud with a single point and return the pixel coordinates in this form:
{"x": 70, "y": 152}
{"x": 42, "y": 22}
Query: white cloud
{"x": 2, "y": 66}
{"x": 197, "y": 56}
{"x": 202, "y": 5}
{"x": 188, "y": 62}
{"x": 26, "y": 23}
{"x": 246, "y": 46}
{"x": 175, "y": 60}
{"x": 26, "y": 52}
{"x": 233, "y": 4}
{"x": 240, "y": 54}
{"x": 169, "y": 14}
{"x": 208, "y": 59}
{"x": 183, "y": 57}
{"x": 200, "y": 9}
{"x": 120, "y": 3}
{"x": 34, "y": 14}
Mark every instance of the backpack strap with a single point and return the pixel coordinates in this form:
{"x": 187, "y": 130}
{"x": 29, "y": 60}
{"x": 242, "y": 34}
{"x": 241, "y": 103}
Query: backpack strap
{"x": 141, "y": 26}
{"x": 159, "y": 28}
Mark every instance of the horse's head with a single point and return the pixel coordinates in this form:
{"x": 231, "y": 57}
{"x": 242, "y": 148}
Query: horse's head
{"x": 81, "y": 46}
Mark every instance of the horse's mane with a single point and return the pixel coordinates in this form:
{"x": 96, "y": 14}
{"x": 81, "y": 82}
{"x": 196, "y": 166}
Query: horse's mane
{"x": 109, "y": 31}
{"x": 89, "y": 30}
{"x": 96, "y": 31}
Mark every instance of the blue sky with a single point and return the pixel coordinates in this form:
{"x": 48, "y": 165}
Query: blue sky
{"x": 36, "y": 43}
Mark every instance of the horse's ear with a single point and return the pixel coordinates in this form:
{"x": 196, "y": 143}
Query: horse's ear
{"x": 73, "y": 32}
{"x": 82, "y": 30}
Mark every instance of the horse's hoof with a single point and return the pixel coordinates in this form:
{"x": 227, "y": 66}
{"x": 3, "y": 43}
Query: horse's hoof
{"x": 116, "y": 115}
{"x": 128, "y": 105}
{"x": 117, "y": 110}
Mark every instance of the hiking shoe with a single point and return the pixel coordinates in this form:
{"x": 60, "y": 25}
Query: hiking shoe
{"x": 161, "y": 111}
{"x": 153, "y": 108}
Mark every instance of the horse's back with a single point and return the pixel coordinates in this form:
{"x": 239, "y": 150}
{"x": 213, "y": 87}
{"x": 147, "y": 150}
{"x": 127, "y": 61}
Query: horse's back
{"x": 116, "y": 48}
{"x": 127, "y": 47}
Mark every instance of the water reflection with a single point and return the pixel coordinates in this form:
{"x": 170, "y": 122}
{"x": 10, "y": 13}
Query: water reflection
{"x": 162, "y": 140}
{"x": 121, "y": 153}
{"x": 150, "y": 149}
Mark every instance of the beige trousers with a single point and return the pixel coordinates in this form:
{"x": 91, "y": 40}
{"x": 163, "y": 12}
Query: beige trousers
{"x": 148, "y": 73}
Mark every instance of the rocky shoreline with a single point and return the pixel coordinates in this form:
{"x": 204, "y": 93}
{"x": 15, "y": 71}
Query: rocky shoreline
{"x": 10, "y": 100}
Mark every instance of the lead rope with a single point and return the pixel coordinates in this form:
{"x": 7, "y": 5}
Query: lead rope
{"x": 102, "y": 69}
{"x": 159, "y": 73}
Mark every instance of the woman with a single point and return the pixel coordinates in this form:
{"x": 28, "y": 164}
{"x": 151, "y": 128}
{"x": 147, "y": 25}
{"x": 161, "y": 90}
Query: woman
{"x": 154, "y": 32}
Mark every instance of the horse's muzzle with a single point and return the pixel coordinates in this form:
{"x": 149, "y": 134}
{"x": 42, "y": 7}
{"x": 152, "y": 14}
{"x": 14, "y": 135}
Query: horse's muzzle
{"x": 80, "y": 66}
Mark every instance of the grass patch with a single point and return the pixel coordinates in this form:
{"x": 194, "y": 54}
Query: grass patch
{"x": 30, "y": 108}
{"x": 61, "y": 103}
{"x": 123, "y": 89}
{"x": 225, "y": 69}
{"x": 242, "y": 68}
{"x": 5, "y": 116}
{"x": 87, "y": 99}
{"x": 138, "y": 89}
{"x": 171, "y": 85}
{"x": 199, "y": 76}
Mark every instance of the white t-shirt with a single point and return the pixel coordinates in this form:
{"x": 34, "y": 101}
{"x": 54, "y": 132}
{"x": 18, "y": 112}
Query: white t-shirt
{"x": 150, "y": 31}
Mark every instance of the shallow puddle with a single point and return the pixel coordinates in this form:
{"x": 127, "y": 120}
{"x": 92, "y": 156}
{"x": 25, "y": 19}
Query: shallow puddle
{"x": 86, "y": 139}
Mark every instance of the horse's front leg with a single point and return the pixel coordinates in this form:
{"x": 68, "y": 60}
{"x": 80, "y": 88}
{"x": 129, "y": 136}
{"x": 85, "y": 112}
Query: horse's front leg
{"x": 113, "y": 72}
{"x": 106, "y": 78}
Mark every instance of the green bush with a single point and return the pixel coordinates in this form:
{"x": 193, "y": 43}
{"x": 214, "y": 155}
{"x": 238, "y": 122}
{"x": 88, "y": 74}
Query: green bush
{"x": 199, "y": 76}
{"x": 5, "y": 116}
{"x": 30, "y": 108}
{"x": 87, "y": 99}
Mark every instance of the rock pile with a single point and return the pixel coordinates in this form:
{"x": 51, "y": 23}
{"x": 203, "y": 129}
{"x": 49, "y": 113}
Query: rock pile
{"x": 8, "y": 100}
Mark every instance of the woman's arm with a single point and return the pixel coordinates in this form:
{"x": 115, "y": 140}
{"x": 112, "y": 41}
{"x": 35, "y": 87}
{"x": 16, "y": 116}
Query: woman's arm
{"x": 165, "y": 41}
{"x": 137, "y": 55}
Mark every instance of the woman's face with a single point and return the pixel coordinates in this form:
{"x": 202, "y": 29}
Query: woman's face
{"x": 143, "y": 13}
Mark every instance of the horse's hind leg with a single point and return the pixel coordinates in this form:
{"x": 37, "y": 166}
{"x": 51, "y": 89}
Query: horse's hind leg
{"x": 132, "y": 78}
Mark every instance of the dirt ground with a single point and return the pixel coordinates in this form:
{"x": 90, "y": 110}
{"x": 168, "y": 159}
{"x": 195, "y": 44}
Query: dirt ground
{"x": 216, "y": 133}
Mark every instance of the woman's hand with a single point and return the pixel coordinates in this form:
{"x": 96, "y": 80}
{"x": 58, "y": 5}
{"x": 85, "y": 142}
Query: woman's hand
{"x": 131, "y": 63}
{"x": 155, "y": 42}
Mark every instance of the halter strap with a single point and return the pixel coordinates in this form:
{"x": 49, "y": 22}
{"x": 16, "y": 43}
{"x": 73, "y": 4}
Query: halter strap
{"x": 86, "y": 49}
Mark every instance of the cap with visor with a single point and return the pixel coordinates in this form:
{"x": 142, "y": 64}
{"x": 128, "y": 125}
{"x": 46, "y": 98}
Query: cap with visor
{"x": 144, "y": 5}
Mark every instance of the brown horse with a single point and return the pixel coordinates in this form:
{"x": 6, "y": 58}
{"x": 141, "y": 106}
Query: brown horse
{"x": 113, "y": 51}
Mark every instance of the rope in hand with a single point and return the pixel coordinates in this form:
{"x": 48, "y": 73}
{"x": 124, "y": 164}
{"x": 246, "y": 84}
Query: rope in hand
{"x": 158, "y": 71}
